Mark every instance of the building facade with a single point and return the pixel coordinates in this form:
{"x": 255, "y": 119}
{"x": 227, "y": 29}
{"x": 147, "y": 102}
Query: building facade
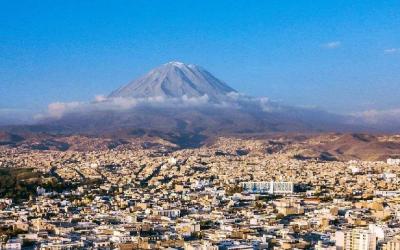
{"x": 268, "y": 187}
{"x": 355, "y": 239}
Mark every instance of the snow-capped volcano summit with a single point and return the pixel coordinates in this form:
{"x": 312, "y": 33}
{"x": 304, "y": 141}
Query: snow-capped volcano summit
{"x": 175, "y": 79}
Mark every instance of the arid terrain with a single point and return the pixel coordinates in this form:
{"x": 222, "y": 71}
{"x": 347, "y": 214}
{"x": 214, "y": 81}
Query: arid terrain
{"x": 319, "y": 146}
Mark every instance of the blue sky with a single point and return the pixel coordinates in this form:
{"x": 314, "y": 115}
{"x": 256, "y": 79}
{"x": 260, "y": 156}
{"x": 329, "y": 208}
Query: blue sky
{"x": 342, "y": 56}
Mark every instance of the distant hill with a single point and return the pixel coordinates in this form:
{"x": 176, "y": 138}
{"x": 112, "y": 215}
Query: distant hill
{"x": 352, "y": 146}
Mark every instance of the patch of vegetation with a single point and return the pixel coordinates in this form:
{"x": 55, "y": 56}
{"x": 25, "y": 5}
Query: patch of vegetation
{"x": 207, "y": 224}
{"x": 7, "y": 232}
{"x": 20, "y": 183}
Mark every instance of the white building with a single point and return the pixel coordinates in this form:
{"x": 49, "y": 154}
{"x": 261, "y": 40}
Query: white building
{"x": 200, "y": 245}
{"x": 392, "y": 161}
{"x": 13, "y": 244}
{"x": 393, "y": 244}
{"x": 378, "y": 231}
{"x": 387, "y": 193}
{"x": 171, "y": 213}
{"x": 40, "y": 191}
{"x": 355, "y": 169}
{"x": 355, "y": 239}
{"x": 270, "y": 187}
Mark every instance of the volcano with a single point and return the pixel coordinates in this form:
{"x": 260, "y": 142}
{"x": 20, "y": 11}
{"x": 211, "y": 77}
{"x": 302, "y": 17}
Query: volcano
{"x": 174, "y": 80}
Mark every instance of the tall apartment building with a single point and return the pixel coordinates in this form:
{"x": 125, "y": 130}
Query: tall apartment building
{"x": 355, "y": 239}
{"x": 171, "y": 213}
{"x": 270, "y": 187}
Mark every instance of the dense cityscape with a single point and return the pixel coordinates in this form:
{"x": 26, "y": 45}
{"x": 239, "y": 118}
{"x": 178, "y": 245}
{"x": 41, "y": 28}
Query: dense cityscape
{"x": 200, "y": 125}
{"x": 232, "y": 194}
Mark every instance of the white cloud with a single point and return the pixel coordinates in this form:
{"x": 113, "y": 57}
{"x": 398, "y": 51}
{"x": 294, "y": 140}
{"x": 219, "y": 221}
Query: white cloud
{"x": 57, "y": 110}
{"x": 376, "y": 117}
{"x": 332, "y": 45}
{"x": 100, "y": 98}
{"x": 392, "y": 51}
